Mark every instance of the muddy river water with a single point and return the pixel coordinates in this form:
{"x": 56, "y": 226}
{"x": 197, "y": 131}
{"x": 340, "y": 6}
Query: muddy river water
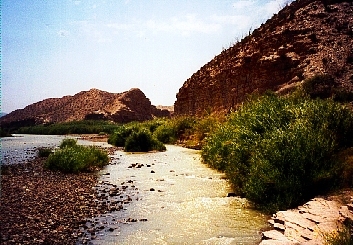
{"x": 176, "y": 199}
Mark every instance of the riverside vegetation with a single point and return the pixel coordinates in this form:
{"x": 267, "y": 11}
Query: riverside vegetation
{"x": 280, "y": 151}
{"x": 276, "y": 151}
{"x": 73, "y": 158}
{"x": 73, "y": 127}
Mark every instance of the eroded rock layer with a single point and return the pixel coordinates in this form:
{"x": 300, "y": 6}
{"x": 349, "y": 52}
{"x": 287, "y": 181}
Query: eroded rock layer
{"x": 93, "y": 104}
{"x": 308, "y": 224}
{"x": 304, "y": 39}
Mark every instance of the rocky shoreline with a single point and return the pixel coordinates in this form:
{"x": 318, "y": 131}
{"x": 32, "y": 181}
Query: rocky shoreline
{"x": 311, "y": 222}
{"x": 38, "y": 206}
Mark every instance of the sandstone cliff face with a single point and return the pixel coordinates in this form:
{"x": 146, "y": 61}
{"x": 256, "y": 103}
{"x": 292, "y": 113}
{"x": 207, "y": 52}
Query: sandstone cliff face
{"x": 304, "y": 39}
{"x": 93, "y": 104}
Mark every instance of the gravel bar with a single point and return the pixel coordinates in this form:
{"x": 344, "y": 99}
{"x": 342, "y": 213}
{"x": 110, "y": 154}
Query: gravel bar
{"x": 38, "y": 206}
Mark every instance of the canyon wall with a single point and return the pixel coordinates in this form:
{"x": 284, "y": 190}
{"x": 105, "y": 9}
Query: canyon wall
{"x": 304, "y": 39}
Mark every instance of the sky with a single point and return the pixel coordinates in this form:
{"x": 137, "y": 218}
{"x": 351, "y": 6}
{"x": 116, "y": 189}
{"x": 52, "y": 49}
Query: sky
{"x": 54, "y": 48}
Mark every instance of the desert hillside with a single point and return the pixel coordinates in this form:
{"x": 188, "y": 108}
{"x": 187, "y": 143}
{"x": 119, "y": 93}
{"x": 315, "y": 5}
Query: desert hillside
{"x": 304, "y": 39}
{"x": 123, "y": 107}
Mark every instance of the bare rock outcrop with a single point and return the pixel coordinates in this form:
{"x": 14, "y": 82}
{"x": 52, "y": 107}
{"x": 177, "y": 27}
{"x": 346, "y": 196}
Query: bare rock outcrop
{"x": 94, "y": 104}
{"x": 304, "y": 39}
{"x": 308, "y": 224}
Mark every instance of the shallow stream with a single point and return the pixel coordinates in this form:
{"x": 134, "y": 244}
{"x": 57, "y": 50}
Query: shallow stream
{"x": 183, "y": 201}
{"x": 175, "y": 199}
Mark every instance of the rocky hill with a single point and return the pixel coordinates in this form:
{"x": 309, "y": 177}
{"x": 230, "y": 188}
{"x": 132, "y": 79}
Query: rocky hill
{"x": 93, "y": 104}
{"x": 303, "y": 40}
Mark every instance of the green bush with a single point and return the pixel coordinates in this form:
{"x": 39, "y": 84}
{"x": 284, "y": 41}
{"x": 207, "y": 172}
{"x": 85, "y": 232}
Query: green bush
{"x": 44, "y": 151}
{"x": 166, "y": 133}
{"x": 142, "y": 141}
{"x": 152, "y": 125}
{"x": 280, "y": 151}
{"x": 72, "y": 158}
{"x": 184, "y": 126}
{"x": 68, "y": 143}
{"x": 137, "y": 136}
{"x": 205, "y": 126}
{"x": 119, "y": 136}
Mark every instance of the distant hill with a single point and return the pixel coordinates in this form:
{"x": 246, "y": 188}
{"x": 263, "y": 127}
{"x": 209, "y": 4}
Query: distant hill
{"x": 303, "y": 40}
{"x": 94, "y": 104}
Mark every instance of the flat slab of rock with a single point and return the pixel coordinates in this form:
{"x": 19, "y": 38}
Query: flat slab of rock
{"x": 306, "y": 224}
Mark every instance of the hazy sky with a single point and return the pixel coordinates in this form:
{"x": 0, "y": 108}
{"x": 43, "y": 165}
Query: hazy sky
{"x": 53, "y": 48}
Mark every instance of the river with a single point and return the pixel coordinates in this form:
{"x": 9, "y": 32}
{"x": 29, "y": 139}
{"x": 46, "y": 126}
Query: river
{"x": 176, "y": 198}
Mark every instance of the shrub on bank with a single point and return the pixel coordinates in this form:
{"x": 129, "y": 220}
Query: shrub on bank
{"x": 68, "y": 143}
{"x": 189, "y": 131}
{"x": 142, "y": 141}
{"x": 137, "y": 137}
{"x": 119, "y": 136}
{"x": 73, "y": 158}
{"x": 44, "y": 152}
{"x": 280, "y": 151}
{"x": 166, "y": 133}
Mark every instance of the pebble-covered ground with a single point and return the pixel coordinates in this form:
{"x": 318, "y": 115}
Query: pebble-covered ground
{"x": 38, "y": 206}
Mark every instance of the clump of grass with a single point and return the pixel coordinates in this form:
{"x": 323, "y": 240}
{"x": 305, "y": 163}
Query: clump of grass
{"x": 341, "y": 237}
{"x": 280, "y": 151}
{"x": 73, "y": 158}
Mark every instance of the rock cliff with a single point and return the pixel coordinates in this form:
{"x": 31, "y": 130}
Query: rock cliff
{"x": 93, "y": 104}
{"x": 304, "y": 39}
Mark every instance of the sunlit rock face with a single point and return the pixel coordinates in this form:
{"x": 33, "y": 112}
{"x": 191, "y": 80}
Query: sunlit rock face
{"x": 304, "y": 39}
{"x": 94, "y": 104}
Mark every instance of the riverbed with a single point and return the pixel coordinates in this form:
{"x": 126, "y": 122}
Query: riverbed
{"x": 183, "y": 201}
{"x": 174, "y": 198}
